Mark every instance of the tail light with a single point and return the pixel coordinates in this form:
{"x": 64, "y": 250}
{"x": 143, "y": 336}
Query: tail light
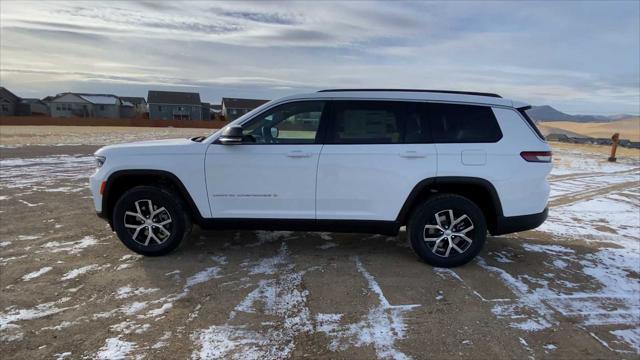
{"x": 537, "y": 156}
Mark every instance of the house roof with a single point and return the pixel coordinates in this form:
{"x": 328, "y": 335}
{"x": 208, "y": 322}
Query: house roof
{"x": 216, "y": 107}
{"x": 173, "y": 97}
{"x": 97, "y": 99}
{"x": 31, "y": 101}
{"x": 136, "y": 100}
{"x": 235, "y": 103}
{"x": 6, "y": 93}
{"x": 100, "y": 99}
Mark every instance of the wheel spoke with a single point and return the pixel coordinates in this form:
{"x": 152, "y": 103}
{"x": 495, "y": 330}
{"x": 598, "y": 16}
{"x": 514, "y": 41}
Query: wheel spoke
{"x": 465, "y": 230}
{"x": 439, "y": 218}
{"x": 435, "y": 246}
{"x": 154, "y": 236}
{"x": 135, "y": 234}
{"x": 131, "y": 213}
{"x": 164, "y": 222}
{"x": 131, "y": 226}
{"x": 460, "y": 219}
{"x": 155, "y": 212}
{"x": 138, "y": 209}
{"x": 164, "y": 231}
{"x": 464, "y": 237}
{"x": 456, "y": 248}
{"x": 446, "y": 254}
{"x": 146, "y": 242}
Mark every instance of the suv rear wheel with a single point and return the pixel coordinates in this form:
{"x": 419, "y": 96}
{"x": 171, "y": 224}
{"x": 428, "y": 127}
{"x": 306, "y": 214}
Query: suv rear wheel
{"x": 151, "y": 220}
{"x": 447, "y": 230}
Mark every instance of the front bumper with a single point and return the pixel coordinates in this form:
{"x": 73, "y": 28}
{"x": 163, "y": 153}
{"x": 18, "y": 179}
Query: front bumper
{"x": 511, "y": 224}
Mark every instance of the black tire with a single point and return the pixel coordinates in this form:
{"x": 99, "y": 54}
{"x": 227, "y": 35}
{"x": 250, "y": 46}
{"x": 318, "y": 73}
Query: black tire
{"x": 179, "y": 226}
{"x": 425, "y": 214}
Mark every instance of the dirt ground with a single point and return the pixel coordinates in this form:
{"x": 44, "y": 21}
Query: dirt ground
{"x": 70, "y": 289}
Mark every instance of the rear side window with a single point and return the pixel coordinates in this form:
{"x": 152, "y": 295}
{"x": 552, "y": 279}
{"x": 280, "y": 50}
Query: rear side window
{"x": 366, "y": 122}
{"x": 454, "y": 123}
{"x": 532, "y": 124}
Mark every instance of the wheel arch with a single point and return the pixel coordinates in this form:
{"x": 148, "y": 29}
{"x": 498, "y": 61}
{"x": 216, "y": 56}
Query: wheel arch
{"x": 480, "y": 191}
{"x": 120, "y": 181}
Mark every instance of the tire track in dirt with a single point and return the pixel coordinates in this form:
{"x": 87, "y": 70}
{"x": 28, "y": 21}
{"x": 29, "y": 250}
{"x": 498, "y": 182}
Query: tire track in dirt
{"x": 565, "y": 177}
{"x": 591, "y": 193}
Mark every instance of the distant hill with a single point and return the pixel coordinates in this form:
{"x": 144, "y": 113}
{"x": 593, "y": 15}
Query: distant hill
{"x": 548, "y": 113}
{"x": 628, "y": 128}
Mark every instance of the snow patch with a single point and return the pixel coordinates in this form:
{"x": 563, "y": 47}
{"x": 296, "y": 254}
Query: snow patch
{"x": 382, "y": 326}
{"x": 37, "y": 273}
{"x": 115, "y": 348}
{"x": 72, "y": 247}
{"x": 77, "y": 272}
{"x": 127, "y": 291}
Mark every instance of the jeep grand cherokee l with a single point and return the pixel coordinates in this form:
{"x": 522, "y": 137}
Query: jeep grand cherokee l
{"x": 450, "y": 166}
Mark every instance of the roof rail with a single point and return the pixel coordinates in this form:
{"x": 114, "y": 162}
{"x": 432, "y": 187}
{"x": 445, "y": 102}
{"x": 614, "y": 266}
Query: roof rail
{"x": 419, "y": 90}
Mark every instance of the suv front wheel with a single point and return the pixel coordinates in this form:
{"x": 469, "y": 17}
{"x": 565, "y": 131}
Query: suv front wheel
{"x": 447, "y": 230}
{"x": 151, "y": 220}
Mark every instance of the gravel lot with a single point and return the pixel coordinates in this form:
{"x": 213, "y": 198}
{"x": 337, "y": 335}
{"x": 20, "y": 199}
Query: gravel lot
{"x": 69, "y": 289}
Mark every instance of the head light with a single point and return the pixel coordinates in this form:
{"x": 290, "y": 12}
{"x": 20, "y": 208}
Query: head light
{"x": 100, "y": 161}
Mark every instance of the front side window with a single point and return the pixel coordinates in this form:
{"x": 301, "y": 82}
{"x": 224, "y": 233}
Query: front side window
{"x": 292, "y": 123}
{"x": 455, "y": 123}
{"x": 366, "y": 122}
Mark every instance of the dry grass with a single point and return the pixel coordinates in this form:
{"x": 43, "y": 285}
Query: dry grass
{"x": 628, "y": 128}
{"x": 89, "y": 135}
{"x": 600, "y": 150}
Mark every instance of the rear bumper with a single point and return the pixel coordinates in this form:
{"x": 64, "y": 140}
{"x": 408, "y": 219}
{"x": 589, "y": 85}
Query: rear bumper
{"x": 511, "y": 224}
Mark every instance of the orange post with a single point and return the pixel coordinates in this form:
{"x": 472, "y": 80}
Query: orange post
{"x": 614, "y": 147}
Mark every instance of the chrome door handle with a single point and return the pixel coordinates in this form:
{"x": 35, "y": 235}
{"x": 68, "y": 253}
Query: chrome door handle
{"x": 298, "y": 154}
{"x": 413, "y": 154}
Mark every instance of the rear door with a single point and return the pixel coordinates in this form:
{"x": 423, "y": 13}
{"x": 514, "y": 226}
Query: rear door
{"x": 272, "y": 174}
{"x": 375, "y": 152}
{"x": 468, "y": 140}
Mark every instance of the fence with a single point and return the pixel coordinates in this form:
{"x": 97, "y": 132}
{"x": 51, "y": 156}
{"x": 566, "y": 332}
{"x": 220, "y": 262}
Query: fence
{"x": 44, "y": 121}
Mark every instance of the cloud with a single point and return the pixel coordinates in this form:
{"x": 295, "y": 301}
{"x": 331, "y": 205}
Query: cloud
{"x": 265, "y": 18}
{"x": 562, "y": 53}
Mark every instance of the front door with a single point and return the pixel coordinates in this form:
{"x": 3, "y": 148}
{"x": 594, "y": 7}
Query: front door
{"x": 272, "y": 174}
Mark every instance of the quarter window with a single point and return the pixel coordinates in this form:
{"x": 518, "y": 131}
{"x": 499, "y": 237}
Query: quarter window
{"x": 454, "y": 123}
{"x": 292, "y": 123}
{"x": 366, "y": 122}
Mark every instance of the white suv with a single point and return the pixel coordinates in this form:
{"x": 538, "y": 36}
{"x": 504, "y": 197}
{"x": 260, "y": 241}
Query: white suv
{"x": 449, "y": 166}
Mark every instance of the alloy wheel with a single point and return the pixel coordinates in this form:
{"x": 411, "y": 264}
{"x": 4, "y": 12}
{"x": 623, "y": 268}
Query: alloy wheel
{"x": 449, "y": 234}
{"x": 147, "y": 222}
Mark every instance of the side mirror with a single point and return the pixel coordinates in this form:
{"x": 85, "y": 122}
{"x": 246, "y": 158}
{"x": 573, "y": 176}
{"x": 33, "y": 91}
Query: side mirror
{"x": 231, "y": 135}
{"x": 274, "y": 132}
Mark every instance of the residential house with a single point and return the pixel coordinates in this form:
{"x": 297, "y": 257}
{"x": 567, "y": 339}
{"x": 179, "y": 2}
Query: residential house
{"x": 174, "y": 105}
{"x": 8, "y": 102}
{"x": 233, "y": 108}
{"x": 85, "y": 105}
{"x": 206, "y": 111}
{"x": 33, "y": 106}
{"x": 139, "y": 104}
{"x": 127, "y": 110}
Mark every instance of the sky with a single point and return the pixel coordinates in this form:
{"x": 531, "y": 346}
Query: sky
{"x": 580, "y": 57}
